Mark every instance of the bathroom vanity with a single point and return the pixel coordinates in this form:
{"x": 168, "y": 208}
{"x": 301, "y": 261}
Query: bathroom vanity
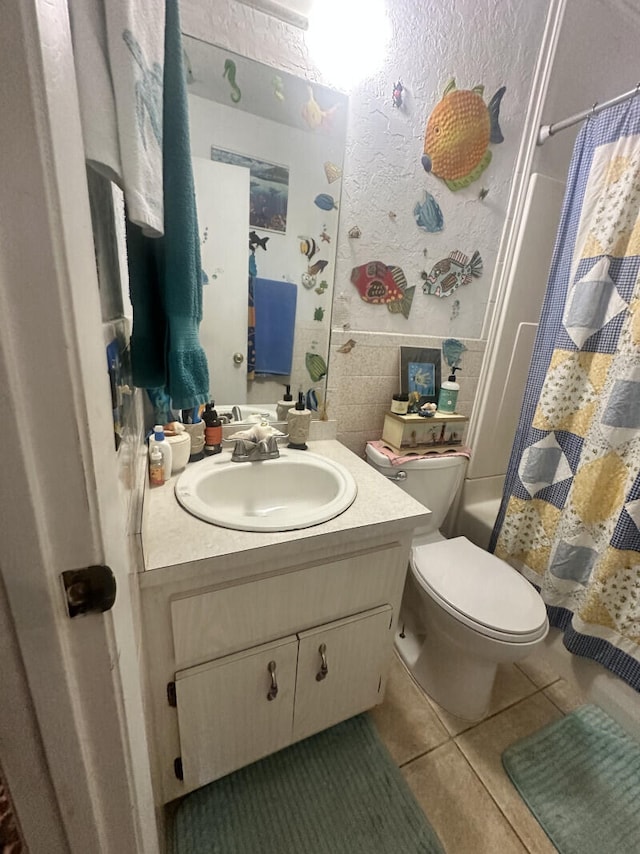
{"x": 253, "y": 641}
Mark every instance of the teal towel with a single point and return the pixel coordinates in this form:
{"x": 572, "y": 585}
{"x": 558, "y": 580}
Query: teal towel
{"x": 275, "y": 318}
{"x": 165, "y": 274}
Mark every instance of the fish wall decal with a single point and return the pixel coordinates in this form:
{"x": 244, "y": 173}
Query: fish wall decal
{"x": 459, "y": 130}
{"x": 325, "y": 202}
{"x": 316, "y": 366}
{"x": 380, "y": 284}
{"x": 428, "y": 214}
{"x": 447, "y": 275}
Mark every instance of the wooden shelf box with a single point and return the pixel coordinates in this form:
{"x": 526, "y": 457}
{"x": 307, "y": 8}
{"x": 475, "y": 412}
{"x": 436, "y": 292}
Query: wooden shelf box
{"x": 439, "y": 433}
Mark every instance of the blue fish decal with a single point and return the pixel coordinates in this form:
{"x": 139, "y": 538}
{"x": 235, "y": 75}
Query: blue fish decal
{"x": 447, "y": 275}
{"x": 428, "y": 214}
{"x": 325, "y": 202}
{"x": 452, "y": 350}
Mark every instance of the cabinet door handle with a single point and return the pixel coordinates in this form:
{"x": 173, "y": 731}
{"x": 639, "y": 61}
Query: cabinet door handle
{"x": 324, "y": 667}
{"x": 273, "y": 691}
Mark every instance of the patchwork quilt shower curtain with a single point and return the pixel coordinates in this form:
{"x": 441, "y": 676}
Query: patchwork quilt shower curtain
{"x": 570, "y": 515}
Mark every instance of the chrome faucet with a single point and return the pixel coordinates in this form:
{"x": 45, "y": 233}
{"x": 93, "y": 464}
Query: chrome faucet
{"x": 237, "y": 415}
{"x": 246, "y": 451}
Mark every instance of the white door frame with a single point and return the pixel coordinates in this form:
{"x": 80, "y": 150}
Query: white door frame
{"x": 60, "y": 505}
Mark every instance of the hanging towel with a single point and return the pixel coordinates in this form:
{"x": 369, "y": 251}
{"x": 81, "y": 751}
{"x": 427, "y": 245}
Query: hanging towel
{"x": 118, "y": 46}
{"x": 409, "y": 457}
{"x": 165, "y": 274}
{"x": 275, "y": 317}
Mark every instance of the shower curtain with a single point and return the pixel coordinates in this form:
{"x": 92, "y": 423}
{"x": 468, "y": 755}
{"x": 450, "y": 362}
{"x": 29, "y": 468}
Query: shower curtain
{"x": 570, "y": 514}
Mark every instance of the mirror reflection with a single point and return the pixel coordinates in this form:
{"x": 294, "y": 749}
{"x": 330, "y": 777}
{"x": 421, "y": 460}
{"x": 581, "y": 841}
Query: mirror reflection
{"x": 267, "y": 152}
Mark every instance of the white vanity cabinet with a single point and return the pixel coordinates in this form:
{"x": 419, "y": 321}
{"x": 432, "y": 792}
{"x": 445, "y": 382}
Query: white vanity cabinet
{"x": 230, "y": 618}
{"x": 234, "y": 710}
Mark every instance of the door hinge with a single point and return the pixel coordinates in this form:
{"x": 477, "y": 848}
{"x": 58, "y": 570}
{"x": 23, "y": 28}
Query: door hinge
{"x": 177, "y": 768}
{"x": 91, "y": 589}
{"x": 171, "y": 694}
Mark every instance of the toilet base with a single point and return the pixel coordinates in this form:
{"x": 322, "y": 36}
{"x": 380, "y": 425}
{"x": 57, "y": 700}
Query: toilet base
{"x": 461, "y": 686}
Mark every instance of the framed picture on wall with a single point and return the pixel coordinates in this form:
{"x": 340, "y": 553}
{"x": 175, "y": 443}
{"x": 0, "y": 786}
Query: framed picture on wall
{"x": 420, "y": 374}
{"x": 268, "y": 189}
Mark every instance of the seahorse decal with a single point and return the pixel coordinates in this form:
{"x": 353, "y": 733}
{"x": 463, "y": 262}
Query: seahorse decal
{"x": 230, "y": 73}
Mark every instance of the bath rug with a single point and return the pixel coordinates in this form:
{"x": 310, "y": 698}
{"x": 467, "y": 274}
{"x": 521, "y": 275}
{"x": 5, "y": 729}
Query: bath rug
{"x": 580, "y": 777}
{"x": 338, "y": 792}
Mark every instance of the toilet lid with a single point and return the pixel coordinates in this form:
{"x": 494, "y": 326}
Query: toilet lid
{"x": 479, "y": 588}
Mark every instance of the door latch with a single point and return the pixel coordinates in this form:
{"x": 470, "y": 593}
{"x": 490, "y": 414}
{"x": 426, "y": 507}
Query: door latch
{"x": 89, "y": 590}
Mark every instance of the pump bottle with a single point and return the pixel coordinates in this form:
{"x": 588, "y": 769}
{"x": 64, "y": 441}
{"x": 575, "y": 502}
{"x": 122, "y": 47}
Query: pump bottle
{"x": 283, "y": 406}
{"x": 298, "y": 421}
{"x": 448, "y": 396}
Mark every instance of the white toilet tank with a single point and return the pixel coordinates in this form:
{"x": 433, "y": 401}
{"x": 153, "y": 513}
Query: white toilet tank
{"x": 433, "y": 481}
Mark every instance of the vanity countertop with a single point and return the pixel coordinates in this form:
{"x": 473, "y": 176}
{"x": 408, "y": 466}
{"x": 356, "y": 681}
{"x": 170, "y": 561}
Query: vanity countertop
{"x": 172, "y": 536}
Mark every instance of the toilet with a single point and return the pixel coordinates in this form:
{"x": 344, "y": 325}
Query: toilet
{"x": 464, "y": 611}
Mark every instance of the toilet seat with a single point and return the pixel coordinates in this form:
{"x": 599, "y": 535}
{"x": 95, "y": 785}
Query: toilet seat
{"x": 479, "y": 590}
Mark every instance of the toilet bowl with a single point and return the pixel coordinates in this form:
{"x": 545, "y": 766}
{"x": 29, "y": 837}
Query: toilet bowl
{"x": 464, "y": 611}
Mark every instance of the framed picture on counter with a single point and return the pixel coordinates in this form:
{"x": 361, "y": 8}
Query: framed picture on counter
{"x": 420, "y": 374}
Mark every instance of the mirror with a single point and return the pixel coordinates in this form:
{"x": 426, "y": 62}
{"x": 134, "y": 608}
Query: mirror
{"x": 267, "y": 152}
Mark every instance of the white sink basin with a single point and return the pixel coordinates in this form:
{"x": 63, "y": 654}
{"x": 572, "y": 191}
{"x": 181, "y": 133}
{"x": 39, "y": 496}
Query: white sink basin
{"x": 297, "y": 490}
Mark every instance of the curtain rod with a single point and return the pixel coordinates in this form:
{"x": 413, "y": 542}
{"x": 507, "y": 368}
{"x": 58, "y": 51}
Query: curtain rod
{"x": 546, "y": 131}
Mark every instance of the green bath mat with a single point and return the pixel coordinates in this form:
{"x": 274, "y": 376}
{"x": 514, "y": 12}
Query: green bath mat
{"x": 337, "y": 792}
{"x": 580, "y": 777}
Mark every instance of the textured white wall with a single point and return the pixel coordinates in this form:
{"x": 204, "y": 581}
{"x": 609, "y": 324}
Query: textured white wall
{"x": 475, "y": 41}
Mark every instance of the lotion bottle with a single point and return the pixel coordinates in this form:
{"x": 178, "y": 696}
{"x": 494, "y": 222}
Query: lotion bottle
{"x": 156, "y": 465}
{"x": 298, "y": 421}
{"x": 158, "y": 439}
{"x": 448, "y": 396}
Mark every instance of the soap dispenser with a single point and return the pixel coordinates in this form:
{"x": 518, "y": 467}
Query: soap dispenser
{"x": 298, "y": 420}
{"x": 448, "y": 396}
{"x": 283, "y": 406}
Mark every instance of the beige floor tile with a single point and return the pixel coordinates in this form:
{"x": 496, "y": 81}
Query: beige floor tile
{"x": 406, "y": 722}
{"x": 510, "y": 687}
{"x": 538, "y": 669}
{"x": 483, "y": 747}
{"x": 458, "y": 806}
{"x": 565, "y": 695}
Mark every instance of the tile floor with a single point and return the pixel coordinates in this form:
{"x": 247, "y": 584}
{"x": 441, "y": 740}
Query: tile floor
{"x": 454, "y": 768}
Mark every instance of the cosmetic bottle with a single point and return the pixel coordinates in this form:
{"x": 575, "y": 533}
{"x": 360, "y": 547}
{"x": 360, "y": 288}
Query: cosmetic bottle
{"x": 212, "y": 431}
{"x": 283, "y": 406}
{"x": 448, "y": 396}
{"x": 156, "y": 465}
{"x": 159, "y": 441}
{"x": 298, "y": 421}
{"x": 400, "y": 404}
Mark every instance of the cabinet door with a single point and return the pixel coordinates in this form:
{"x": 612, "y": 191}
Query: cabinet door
{"x": 225, "y": 716}
{"x": 356, "y": 654}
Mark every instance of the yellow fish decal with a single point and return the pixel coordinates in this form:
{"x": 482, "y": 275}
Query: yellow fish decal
{"x": 459, "y": 130}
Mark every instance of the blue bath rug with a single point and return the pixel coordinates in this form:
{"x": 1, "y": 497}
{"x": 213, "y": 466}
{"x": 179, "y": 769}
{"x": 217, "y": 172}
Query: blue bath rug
{"x": 338, "y": 792}
{"x": 580, "y": 777}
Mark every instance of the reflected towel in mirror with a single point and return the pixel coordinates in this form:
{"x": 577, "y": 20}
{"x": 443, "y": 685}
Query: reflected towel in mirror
{"x": 275, "y": 316}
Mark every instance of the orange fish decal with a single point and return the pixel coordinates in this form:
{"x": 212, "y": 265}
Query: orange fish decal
{"x": 459, "y": 130}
